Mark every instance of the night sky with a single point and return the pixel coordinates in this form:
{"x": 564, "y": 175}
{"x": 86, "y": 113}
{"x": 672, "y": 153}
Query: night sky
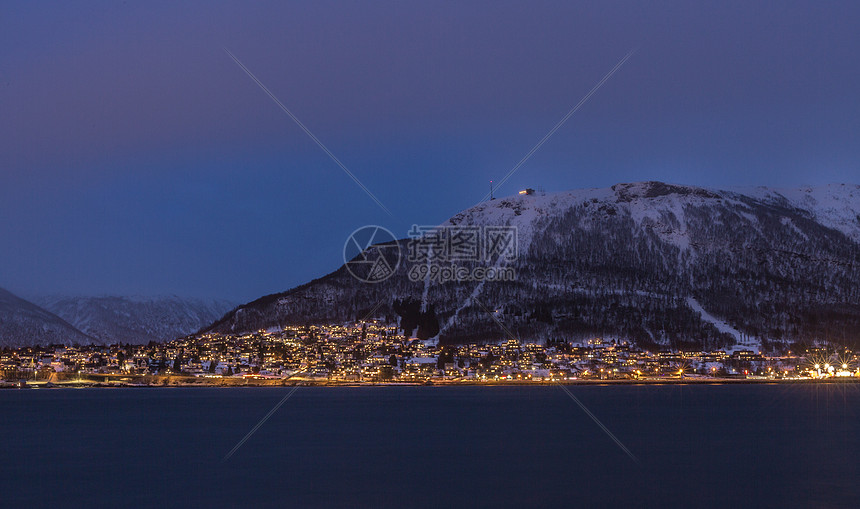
{"x": 138, "y": 158}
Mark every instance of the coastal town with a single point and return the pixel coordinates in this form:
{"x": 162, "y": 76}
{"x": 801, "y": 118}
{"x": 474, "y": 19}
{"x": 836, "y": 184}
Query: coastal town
{"x": 372, "y": 352}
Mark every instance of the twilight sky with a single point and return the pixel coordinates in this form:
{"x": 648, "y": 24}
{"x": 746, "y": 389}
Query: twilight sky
{"x": 137, "y": 158}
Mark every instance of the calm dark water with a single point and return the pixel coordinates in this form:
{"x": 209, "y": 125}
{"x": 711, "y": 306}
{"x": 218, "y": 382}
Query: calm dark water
{"x": 698, "y": 446}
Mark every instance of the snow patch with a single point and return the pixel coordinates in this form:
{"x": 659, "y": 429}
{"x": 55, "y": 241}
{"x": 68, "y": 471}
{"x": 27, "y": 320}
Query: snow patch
{"x": 723, "y": 327}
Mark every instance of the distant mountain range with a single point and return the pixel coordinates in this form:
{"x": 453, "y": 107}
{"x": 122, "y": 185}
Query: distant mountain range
{"x": 136, "y": 319}
{"x": 662, "y": 265}
{"x": 23, "y": 323}
{"x": 102, "y": 320}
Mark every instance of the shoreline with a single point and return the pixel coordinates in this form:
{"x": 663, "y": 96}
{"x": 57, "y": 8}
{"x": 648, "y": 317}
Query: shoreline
{"x": 186, "y": 382}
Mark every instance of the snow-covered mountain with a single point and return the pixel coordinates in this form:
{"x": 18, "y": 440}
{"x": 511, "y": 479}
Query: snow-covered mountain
{"x": 23, "y": 323}
{"x": 135, "y": 320}
{"x": 834, "y": 205}
{"x": 660, "y": 264}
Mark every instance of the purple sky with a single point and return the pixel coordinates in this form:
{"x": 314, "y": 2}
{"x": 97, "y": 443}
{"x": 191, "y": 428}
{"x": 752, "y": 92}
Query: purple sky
{"x": 138, "y": 158}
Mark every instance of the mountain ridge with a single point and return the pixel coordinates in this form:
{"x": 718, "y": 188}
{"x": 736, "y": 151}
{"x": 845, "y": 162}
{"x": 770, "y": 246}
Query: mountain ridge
{"x": 135, "y": 319}
{"x": 23, "y": 323}
{"x": 775, "y": 265}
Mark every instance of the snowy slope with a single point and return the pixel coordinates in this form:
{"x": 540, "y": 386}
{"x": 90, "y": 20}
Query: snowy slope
{"x": 526, "y": 211}
{"x": 836, "y": 206}
{"x": 652, "y": 205}
{"x": 658, "y": 263}
{"x": 23, "y": 323}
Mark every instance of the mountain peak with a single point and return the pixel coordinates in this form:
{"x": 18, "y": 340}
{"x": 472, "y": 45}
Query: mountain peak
{"x": 654, "y": 189}
{"x": 663, "y": 265}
